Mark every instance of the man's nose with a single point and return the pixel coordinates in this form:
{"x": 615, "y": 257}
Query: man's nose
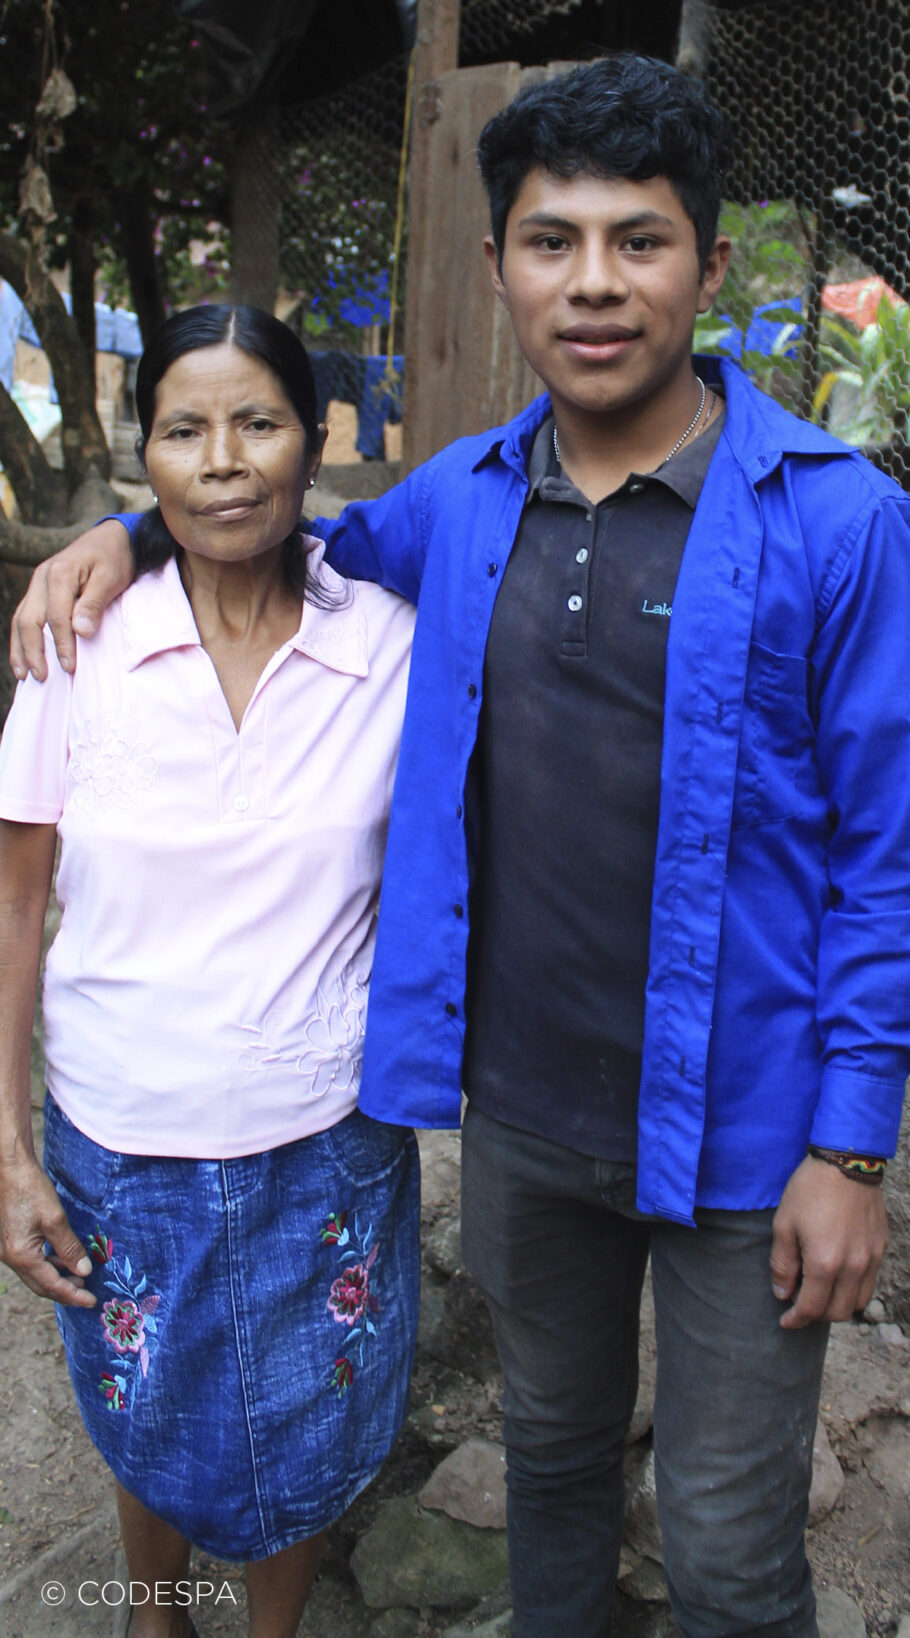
{"x": 597, "y": 275}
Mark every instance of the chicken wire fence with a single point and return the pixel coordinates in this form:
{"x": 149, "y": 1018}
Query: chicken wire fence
{"x": 818, "y": 98}
{"x": 340, "y": 158}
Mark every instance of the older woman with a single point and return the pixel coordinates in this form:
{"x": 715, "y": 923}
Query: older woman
{"x": 233, "y": 1246}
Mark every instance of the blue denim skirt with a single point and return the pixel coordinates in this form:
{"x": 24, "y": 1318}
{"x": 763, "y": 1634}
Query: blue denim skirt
{"x": 245, "y": 1371}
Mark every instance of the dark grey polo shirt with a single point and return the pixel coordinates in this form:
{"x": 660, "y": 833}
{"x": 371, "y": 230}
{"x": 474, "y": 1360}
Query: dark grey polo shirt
{"x": 565, "y": 796}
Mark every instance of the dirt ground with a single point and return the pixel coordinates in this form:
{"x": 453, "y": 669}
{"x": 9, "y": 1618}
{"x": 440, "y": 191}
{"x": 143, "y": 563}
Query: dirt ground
{"x": 57, "y": 1521}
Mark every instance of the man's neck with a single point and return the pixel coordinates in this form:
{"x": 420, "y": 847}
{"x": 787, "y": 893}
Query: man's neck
{"x": 598, "y": 452}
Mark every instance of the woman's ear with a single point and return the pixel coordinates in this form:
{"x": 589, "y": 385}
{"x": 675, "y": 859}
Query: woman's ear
{"x": 314, "y": 457}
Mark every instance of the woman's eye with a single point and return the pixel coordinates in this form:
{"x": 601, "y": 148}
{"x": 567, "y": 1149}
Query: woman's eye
{"x": 180, "y": 434}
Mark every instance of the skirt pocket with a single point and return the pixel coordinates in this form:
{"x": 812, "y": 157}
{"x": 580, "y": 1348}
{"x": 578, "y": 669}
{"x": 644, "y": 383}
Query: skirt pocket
{"x": 74, "y": 1163}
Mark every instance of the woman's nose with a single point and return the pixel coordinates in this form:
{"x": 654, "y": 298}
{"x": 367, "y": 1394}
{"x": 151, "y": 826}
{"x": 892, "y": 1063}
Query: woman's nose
{"x": 221, "y": 451}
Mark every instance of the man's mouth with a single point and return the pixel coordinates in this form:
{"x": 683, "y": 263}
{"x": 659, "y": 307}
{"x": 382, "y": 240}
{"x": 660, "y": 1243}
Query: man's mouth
{"x": 598, "y": 335}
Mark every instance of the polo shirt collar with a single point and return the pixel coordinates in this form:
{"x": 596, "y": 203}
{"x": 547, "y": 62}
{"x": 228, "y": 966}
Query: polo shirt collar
{"x": 157, "y": 617}
{"x": 684, "y": 474}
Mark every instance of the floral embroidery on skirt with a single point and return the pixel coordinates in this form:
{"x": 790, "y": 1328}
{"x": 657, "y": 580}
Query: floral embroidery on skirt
{"x": 351, "y": 1299}
{"x": 128, "y": 1322}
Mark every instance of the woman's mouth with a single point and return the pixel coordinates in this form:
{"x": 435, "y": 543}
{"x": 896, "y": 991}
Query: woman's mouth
{"x": 233, "y": 506}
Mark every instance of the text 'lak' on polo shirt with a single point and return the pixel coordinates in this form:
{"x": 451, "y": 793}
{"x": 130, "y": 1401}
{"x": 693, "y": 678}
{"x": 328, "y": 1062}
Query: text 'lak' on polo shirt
{"x": 566, "y": 782}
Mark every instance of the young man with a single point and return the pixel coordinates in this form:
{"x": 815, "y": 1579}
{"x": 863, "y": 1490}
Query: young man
{"x": 656, "y": 743}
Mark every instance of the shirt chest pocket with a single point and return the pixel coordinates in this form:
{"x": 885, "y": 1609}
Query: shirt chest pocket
{"x": 776, "y": 773}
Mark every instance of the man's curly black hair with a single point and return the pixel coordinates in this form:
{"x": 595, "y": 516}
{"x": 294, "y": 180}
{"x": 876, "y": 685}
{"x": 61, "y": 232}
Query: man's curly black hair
{"x": 620, "y": 115}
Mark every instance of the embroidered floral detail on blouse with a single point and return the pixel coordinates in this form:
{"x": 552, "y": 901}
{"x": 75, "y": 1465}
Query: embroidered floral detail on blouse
{"x": 128, "y": 1321}
{"x": 331, "y": 1056}
{"x": 343, "y": 638}
{"x": 351, "y": 1299}
{"x": 108, "y": 764}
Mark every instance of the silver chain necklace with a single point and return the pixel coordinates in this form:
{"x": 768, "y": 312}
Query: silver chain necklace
{"x": 679, "y": 442}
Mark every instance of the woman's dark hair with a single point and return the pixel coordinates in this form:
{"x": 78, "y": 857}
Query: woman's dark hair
{"x": 263, "y": 337}
{"x": 618, "y": 116}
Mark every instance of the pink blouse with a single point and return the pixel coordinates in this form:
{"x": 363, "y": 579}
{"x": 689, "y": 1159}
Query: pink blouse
{"x": 206, "y": 993}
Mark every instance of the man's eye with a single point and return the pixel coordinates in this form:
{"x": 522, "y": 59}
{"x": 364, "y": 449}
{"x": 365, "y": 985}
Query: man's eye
{"x": 640, "y": 242}
{"x": 550, "y": 241}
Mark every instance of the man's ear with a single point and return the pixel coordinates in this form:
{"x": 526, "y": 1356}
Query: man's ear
{"x": 492, "y": 255}
{"x": 715, "y": 272}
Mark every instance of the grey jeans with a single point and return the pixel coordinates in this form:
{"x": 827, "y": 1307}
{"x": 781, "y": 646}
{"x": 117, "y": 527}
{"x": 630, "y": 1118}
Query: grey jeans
{"x": 553, "y": 1239}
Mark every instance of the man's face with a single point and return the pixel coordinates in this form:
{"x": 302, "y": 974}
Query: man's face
{"x": 602, "y": 284}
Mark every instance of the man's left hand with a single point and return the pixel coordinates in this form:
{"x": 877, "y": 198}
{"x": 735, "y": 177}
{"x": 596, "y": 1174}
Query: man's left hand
{"x": 830, "y": 1234}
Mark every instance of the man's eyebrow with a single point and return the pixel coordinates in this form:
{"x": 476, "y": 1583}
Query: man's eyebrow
{"x": 564, "y": 224}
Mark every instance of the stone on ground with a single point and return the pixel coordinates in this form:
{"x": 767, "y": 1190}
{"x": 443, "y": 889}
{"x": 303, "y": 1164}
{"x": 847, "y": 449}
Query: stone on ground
{"x": 838, "y": 1615}
{"x": 642, "y": 1528}
{"x": 470, "y": 1485}
{"x": 411, "y": 1558}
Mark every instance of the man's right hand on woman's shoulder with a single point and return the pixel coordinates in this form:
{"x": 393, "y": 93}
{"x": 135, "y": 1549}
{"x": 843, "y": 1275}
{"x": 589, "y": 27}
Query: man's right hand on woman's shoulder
{"x": 69, "y": 593}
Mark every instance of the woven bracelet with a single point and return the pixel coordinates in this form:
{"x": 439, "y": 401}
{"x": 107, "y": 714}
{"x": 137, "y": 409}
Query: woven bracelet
{"x": 862, "y": 1168}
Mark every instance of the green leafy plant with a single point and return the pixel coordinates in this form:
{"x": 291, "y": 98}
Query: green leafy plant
{"x": 864, "y": 393}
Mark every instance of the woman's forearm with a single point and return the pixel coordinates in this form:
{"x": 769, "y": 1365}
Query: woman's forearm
{"x": 26, "y": 868}
{"x": 31, "y": 1214}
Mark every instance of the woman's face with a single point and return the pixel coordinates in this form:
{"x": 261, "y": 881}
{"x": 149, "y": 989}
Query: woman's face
{"x": 227, "y": 455}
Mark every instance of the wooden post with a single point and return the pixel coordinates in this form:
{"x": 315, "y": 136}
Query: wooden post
{"x": 437, "y": 54}
{"x": 254, "y": 209}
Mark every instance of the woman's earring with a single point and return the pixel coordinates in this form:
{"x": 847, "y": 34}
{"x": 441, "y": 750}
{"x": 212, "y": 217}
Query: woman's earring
{"x": 155, "y": 499}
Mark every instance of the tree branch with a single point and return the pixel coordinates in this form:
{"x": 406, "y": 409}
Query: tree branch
{"x": 84, "y": 446}
{"x": 22, "y": 543}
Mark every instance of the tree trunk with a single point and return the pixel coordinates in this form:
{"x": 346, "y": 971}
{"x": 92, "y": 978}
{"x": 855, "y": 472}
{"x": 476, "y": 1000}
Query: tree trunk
{"x": 82, "y": 438}
{"x": 40, "y": 491}
{"x": 137, "y": 247}
{"x": 82, "y": 277}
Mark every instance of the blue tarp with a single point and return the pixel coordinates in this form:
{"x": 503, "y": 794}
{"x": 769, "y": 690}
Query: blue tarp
{"x": 116, "y": 331}
{"x": 352, "y": 379}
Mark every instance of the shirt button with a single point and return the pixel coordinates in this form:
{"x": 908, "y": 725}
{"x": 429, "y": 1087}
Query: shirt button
{"x": 588, "y": 516}
{"x": 492, "y": 569}
{"x": 472, "y": 691}
{"x": 459, "y": 811}
{"x": 575, "y": 604}
{"x": 459, "y": 910}
{"x": 581, "y": 556}
{"x": 451, "y": 1008}
{"x": 635, "y": 487}
{"x": 241, "y": 803}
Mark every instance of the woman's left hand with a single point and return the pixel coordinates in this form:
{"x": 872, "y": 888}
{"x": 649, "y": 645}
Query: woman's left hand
{"x": 30, "y": 1215}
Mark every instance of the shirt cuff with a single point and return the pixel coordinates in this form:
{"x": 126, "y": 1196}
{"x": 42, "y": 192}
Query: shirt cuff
{"x": 858, "y": 1113}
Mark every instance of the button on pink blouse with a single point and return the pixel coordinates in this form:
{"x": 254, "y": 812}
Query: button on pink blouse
{"x": 206, "y": 993}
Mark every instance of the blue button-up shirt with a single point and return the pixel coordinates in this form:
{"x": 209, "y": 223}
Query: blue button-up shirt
{"x": 778, "y": 998}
